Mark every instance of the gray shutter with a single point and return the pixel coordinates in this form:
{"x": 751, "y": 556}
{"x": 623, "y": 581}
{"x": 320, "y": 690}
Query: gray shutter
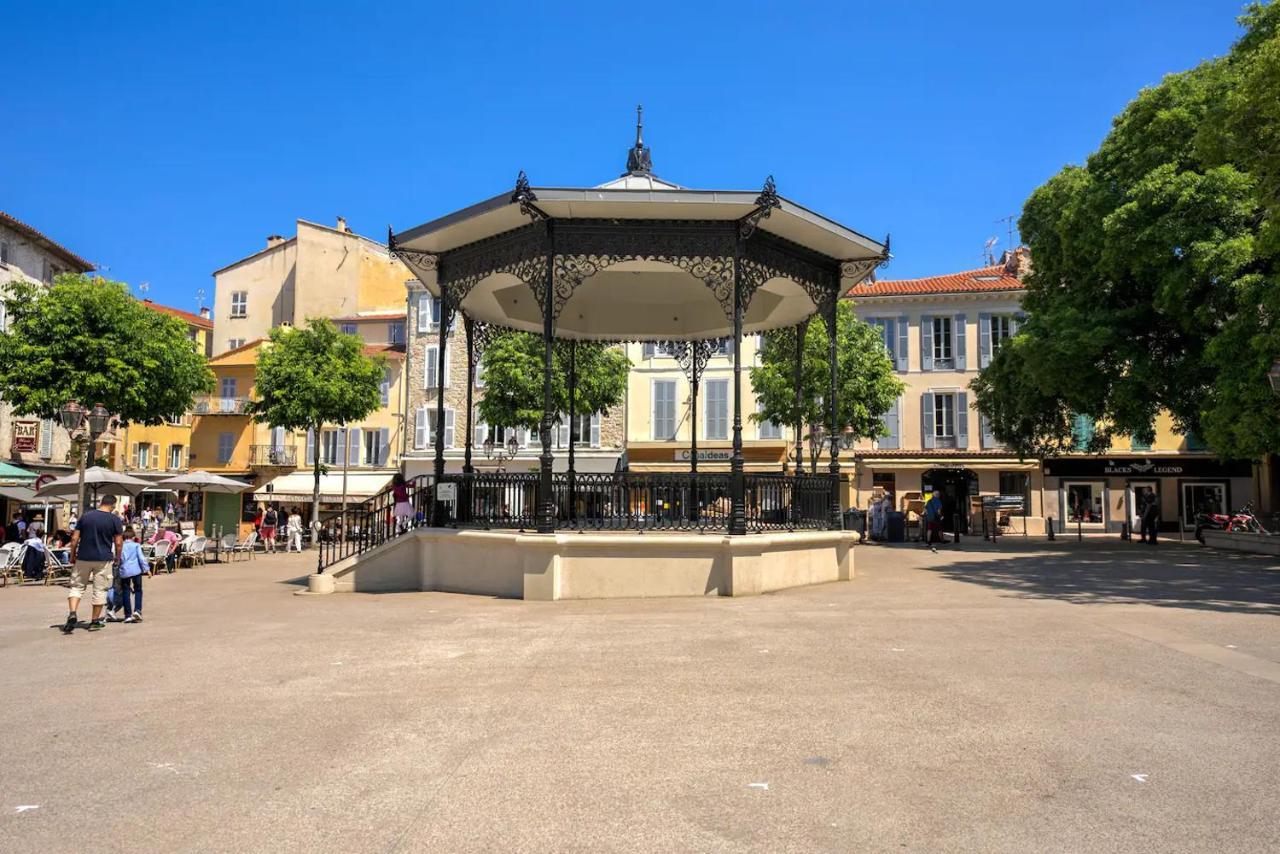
{"x": 46, "y": 438}
{"x": 958, "y": 335}
{"x": 988, "y": 438}
{"x": 962, "y": 420}
{"x": 595, "y": 430}
{"x": 448, "y": 428}
{"x": 354, "y": 437}
{"x": 890, "y": 419}
{"x": 984, "y": 340}
{"x": 563, "y": 430}
{"x": 926, "y": 342}
{"x": 927, "y": 438}
{"x": 646, "y": 351}
{"x": 420, "y": 424}
{"x": 384, "y": 445}
{"x": 311, "y": 447}
{"x": 479, "y": 434}
{"x": 904, "y": 328}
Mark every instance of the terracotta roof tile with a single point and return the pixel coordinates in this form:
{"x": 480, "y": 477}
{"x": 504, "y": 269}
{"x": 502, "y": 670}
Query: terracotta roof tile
{"x": 981, "y": 280}
{"x": 384, "y": 349}
{"x": 185, "y": 316}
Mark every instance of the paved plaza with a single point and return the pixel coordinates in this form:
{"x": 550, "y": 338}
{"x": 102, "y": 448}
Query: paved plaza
{"x": 1039, "y": 697}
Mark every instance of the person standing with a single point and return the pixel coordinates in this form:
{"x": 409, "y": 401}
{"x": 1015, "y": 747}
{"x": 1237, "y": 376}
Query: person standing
{"x": 95, "y": 550}
{"x": 1150, "y": 519}
{"x": 268, "y": 530}
{"x": 403, "y": 509}
{"x": 133, "y": 564}
{"x": 933, "y": 515}
{"x": 293, "y": 528}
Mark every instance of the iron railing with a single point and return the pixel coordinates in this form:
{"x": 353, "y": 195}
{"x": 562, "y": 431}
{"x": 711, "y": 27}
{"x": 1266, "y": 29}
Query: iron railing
{"x": 213, "y": 405}
{"x": 273, "y": 455}
{"x": 619, "y": 501}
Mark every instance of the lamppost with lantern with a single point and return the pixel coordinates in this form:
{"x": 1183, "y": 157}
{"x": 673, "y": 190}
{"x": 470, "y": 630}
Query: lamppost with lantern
{"x": 94, "y": 422}
{"x": 501, "y": 453}
{"x": 816, "y": 434}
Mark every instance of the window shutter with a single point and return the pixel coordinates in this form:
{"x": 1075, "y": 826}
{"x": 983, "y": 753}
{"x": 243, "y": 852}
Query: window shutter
{"x": 424, "y": 313}
{"x": 384, "y": 445}
{"x": 988, "y": 438}
{"x": 448, "y": 428}
{"x": 959, "y": 336}
{"x": 277, "y": 437}
{"x": 1016, "y": 323}
{"x": 962, "y": 420}
{"x": 927, "y": 437}
{"x": 904, "y": 328}
{"x": 562, "y": 431}
{"x": 311, "y": 447}
{"x": 926, "y": 343}
{"x": 647, "y": 350}
{"x": 479, "y": 433}
{"x": 595, "y": 430}
{"x": 429, "y": 367}
{"x": 890, "y": 420}
{"x": 386, "y": 386}
{"x": 46, "y": 438}
{"x": 354, "y": 437}
{"x": 420, "y": 428}
{"x": 984, "y": 340}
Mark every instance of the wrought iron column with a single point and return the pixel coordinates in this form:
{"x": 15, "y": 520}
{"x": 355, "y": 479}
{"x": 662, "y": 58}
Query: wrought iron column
{"x": 837, "y": 518}
{"x": 446, "y": 318}
{"x": 737, "y": 467}
{"x": 469, "y": 326}
{"x": 546, "y": 520}
{"x": 573, "y": 420}
{"x": 802, "y": 330}
{"x": 694, "y": 378}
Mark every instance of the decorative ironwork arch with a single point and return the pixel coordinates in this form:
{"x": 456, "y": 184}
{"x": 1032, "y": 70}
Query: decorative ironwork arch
{"x": 520, "y": 252}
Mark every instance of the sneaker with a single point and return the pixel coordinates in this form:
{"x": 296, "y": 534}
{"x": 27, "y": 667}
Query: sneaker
{"x": 70, "y": 625}
{"x": 96, "y": 625}
{"x": 132, "y": 618}
{"x": 114, "y": 618}
{"x": 137, "y": 616}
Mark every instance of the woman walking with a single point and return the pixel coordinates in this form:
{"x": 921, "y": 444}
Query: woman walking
{"x": 293, "y": 527}
{"x": 268, "y": 529}
{"x": 403, "y": 509}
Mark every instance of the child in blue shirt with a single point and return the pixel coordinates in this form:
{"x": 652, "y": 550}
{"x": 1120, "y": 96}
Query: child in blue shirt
{"x": 133, "y": 565}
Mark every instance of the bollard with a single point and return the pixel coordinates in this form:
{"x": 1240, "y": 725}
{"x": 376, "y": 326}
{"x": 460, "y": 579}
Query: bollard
{"x": 1049, "y": 527}
{"x": 1124, "y": 531}
{"x": 1079, "y": 527}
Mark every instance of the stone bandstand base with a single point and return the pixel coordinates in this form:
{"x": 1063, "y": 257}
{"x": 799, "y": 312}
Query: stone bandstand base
{"x": 595, "y": 565}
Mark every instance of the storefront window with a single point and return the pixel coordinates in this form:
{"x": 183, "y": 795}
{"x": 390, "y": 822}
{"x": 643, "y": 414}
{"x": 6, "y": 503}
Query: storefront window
{"x": 1084, "y": 502}
{"x": 1017, "y": 483}
{"x": 1202, "y": 498}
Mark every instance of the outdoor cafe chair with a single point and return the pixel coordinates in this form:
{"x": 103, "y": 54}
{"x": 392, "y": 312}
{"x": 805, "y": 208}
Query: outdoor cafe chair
{"x": 193, "y": 554}
{"x": 11, "y": 562}
{"x": 159, "y": 553}
{"x": 54, "y": 563}
{"x": 228, "y": 545}
{"x": 246, "y": 545}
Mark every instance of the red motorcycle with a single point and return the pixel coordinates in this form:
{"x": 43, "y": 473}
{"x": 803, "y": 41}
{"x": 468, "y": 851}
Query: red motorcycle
{"x": 1243, "y": 520}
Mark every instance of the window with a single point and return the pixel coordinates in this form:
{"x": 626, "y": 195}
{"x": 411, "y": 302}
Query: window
{"x": 664, "y": 409}
{"x": 431, "y": 362}
{"x": 945, "y": 419}
{"x": 1136, "y": 444}
{"x": 47, "y": 272}
{"x": 226, "y": 446}
{"x": 377, "y": 446}
{"x": 586, "y": 431}
{"x": 661, "y": 349}
{"x": 395, "y": 332}
{"x": 1083, "y": 502}
{"x": 1002, "y": 327}
{"x": 347, "y": 328}
{"x": 1202, "y": 497}
{"x": 480, "y": 374}
{"x": 942, "y": 357}
{"x": 715, "y": 424}
{"x": 993, "y": 331}
{"x": 175, "y": 457}
{"x": 767, "y": 429}
{"x": 227, "y": 387}
{"x": 4, "y": 252}
{"x": 235, "y": 343}
{"x": 722, "y": 347}
{"x": 142, "y": 455}
{"x": 893, "y": 334}
{"x": 384, "y": 388}
{"x": 1082, "y": 430}
{"x": 239, "y": 303}
{"x": 1017, "y": 483}
{"x": 331, "y": 447}
{"x": 424, "y": 427}
{"x": 428, "y": 313}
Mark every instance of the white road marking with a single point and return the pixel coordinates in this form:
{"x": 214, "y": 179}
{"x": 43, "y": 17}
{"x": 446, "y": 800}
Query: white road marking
{"x": 26, "y": 807}
{"x": 1231, "y": 646}
{"x": 757, "y": 785}
{"x": 898, "y": 649}
{"x": 1141, "y": 778}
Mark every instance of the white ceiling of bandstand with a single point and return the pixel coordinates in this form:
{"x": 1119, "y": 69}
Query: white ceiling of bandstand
{"x": 638, "y": 300}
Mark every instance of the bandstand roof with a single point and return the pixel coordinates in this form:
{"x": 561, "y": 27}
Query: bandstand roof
{"x": 637, "y": 258}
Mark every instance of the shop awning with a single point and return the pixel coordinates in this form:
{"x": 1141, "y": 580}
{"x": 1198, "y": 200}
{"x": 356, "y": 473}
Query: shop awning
{"x": 297, "y": 486}
{"x": 19, "y": 493}
{"x": 8, "y": 471}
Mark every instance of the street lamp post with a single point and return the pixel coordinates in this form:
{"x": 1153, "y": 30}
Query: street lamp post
{"x": 74, "y": 417}
{"x": 816, "y": 435}
{"x": 500, "y": 452}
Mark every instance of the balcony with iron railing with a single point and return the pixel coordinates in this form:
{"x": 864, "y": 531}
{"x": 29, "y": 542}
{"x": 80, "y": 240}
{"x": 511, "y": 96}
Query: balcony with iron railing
{"x": 213, "y": 405}
{"x": 266, "y": 456}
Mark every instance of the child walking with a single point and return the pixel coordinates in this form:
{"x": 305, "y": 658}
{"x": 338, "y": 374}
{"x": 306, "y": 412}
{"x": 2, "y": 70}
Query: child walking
{"x": 132, "y": 567}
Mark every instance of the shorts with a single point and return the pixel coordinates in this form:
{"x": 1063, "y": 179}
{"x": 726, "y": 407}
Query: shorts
{"x": 267, "y": 532}
{"x": 94, "y": 572}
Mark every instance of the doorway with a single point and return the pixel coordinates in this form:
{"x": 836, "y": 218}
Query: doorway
{"x": 1137, "y": 493}
{"x": 955, "y": 486}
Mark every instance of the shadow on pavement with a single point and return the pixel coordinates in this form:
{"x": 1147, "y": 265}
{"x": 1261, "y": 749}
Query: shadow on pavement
{"x": 1091, "y": 574}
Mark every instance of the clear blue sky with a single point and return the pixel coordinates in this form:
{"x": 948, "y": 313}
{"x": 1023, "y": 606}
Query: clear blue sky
{"x": 164, "y": 140}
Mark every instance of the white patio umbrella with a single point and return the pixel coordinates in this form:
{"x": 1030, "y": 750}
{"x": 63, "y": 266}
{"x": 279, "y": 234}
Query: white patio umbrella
{"x": 203, "y": 481}
{"x": 98, "y": 479}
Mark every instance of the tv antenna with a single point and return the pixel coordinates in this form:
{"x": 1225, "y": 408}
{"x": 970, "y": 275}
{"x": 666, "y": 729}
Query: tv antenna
{"x": 988, "y": 251}
{"x": 143, "y": 288}
{"x": 199, "y": 298}
{"x": 1008, "y": 227}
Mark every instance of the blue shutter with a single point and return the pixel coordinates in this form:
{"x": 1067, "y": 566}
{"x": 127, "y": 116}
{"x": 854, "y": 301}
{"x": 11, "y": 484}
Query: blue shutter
{"x": 984, "y": 340}
{"x": 926, "y": 342}
{"x": 904, "y": 327}
{"x": 354, "y": 437}
{"x": 958, "y": 336}
{"x": 311, "y": 447}
{"x": 890, "y": 420}
{"x": 962, "y": 420}
{"x": 927, "y": 437}
{"x": 646, "y": 351}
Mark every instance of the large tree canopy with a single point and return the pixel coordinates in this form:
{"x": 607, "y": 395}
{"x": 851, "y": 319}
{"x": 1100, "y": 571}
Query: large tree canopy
{"x": 1155, "y": 281}
{"x": 512, "y": 366}
{"x": 866, "y": 385}
{"x": 307, "y": 378}
{"x": 87, "y": 339}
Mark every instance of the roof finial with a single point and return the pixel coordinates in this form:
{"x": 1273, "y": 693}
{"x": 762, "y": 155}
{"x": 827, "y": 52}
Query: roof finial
{"x": 639, "y": 160}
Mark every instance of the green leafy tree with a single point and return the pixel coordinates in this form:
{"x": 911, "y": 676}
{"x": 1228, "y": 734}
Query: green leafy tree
{"x": 512, "y": 365}
{"x": 87, "y": 339}
{"x": 307, "y": 378}
{"x": 866, "y": 386}
{"x": 1155, "y": 280}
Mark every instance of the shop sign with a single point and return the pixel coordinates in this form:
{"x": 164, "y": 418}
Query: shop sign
{"x": 26, "y": 436}
{"x": 446, "y": 492}
{"x": 684, "y": 455}
{"x": 1146, "y": 467}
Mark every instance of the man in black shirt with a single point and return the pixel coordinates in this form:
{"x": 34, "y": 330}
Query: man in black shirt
{"x": 95, "y": 552}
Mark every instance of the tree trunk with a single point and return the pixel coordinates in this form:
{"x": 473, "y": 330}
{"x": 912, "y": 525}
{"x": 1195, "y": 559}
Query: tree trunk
{"x": 315, "y": 488}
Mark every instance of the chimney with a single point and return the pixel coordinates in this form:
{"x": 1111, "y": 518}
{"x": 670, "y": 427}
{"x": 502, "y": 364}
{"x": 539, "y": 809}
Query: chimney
{"x": 1017, "y": 262}
{"x": 342, "y": 225}
{"x": 274, "y": 240}
{"x": 204, "y": 312}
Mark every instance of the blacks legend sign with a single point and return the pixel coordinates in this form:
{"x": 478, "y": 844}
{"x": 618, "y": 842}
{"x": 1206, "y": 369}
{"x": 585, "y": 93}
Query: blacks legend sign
{"x": 1146, "y": 467}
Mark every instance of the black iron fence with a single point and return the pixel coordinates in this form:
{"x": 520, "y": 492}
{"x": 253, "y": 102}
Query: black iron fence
{"x": 618, "y": 501}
